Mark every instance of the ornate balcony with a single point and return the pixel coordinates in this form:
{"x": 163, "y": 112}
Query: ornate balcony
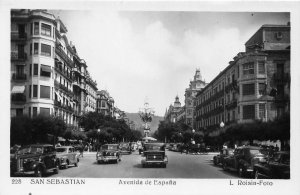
{"x": 231, "y": 104}
{"x": 16, "y": 36}
{"x": 16, "y": 56}
{"x": 19, "y": 77}
{"x": 281, "y": 78}
{"x": 18, "y": 98}
{"x": 63, "y": 55}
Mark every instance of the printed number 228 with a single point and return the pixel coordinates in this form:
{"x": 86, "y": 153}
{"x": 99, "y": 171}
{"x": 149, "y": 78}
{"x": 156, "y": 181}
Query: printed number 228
{"x": 16, "y": 181}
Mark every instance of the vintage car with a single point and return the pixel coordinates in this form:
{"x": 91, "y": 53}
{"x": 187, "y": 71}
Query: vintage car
{"x": 154, "y": 154}
{"x": 124, "y": 148}
{"x": 243, "y": 160}
{"x": 276, "y": 167}
{"x": 35, "y": 160}
{"x": 108, "y": 153}
{"x": 67, "y": 156}
{"x": 218, "y": 159}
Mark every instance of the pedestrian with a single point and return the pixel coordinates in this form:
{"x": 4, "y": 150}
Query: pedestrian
{"x": 81, "y": 149}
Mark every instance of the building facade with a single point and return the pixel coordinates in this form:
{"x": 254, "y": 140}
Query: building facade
{"x": 196, "y": 85}
{"x": 105, "y": 103}
{"x": 47, "y": 75}
{"x": 173, "y": 111}
{"x": 254, "y": 86}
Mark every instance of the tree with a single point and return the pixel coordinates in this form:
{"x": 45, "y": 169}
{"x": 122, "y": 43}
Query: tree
{"x": 20, "y": 130}
{"x": 91, "y": 120}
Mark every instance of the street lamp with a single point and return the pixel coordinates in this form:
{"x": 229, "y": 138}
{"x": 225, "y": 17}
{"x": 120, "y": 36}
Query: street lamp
{"x": 193, "y": 131}
{"x": 98, "y": 133}
{"x": 222, "y": 124}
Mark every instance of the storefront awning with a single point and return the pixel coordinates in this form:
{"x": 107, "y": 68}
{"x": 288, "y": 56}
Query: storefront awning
{"x": 18, "y": 89}
{"x": 46, "y": 68}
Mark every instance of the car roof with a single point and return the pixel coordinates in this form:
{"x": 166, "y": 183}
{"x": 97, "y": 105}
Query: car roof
{"x": 38, "y": 145}
{"x": 249, "y": 147}
{"x": 65, "y": 147}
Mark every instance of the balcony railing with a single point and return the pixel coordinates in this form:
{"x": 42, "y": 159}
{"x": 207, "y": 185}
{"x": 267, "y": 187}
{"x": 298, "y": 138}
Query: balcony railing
{"x": 231, "y": 104}
{"x": 19, "y": 77}
{"x": 16, "y": 36}
{"x": 18, "y": 98}
{"x": 63, "y": 55}
{"x": 63, "y": 72}
{"x": 18, "y": 56}
{"x": 281, "y": 78}
{"x": 63, "y": 106}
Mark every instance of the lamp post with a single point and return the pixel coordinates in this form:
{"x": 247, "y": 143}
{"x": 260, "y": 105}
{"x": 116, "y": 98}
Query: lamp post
{"x": 222, "y": 126}
{"x": 98, "y": 133}
{"x": 193, "y": 131}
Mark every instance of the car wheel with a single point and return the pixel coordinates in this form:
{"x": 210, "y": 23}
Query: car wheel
{"x": 164, "y": 166}
{"x": 215, "y": 161}
{"x": 241, "y": 171}
{"x": 143, "y": 165}
{"x": 76, "y": 164}
{"x": 256, "y": 174}
{"x": 116, "y": 161}
{"x": 224, "y": 166}
{"x": 38, "y": 172}
{"x": 56, "y": 170}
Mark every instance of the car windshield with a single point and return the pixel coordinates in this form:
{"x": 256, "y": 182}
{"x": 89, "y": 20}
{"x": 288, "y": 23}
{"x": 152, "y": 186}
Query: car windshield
{"x": 109, "y": 147}
{"x": 154, "y": 147}
{"x": 30, "y": 150}
{"x": 254, "y": 151}
{"x": 124, "y": 145}
{"x": 61, "y": 149}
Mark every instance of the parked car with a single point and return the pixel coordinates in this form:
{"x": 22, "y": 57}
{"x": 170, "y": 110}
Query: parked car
{"x": 218, "y": 159}
{"x": 67, "y": 156}
{"x": 276, "y": 167}
{"x": 124, "y": 148}
{"x": 108, "y": 153}
{"x": 243, "y": 160}
{"x": 154, "y": 154}
{"x": 35, "y": 160}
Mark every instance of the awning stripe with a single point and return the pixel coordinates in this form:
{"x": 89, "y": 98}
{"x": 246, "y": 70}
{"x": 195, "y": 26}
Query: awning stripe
{"x": 18, "y": 89}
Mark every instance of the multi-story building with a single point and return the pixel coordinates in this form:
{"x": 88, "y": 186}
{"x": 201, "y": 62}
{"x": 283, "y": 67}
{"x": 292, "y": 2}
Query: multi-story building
{"x": 173, "y": 111}
{"x": 91, "y": 97}
{"x": 196, "y": 85}
{"x": 46, "y": 70}
{"x": 254, "y": 86}
{"x": 105, "y": 103}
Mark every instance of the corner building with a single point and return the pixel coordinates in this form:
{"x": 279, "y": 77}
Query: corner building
{"x": 254, "y": 86}
{"x": 44, "y": 73}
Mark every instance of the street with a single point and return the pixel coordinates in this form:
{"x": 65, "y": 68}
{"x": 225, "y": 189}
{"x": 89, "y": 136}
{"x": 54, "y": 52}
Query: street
{"x": 179, "y": 166}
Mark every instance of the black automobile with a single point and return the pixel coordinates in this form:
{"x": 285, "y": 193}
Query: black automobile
{"x": 125, "y": 148}
{"x": 108, "y": 153}
{"x": 34, "y": 160}
{"x": 276, "y": 167}
{"x": 225, "y": 152}
{"x": 243, "y": 160}
{"x": 154, "y": 154}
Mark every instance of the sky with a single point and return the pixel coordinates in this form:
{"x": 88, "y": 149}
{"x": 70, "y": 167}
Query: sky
{"x": 153, "y": 55}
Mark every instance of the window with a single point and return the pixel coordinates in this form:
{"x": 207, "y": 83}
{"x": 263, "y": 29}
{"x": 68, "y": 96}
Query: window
{"x": 262, "y": 88}
{"x": 29, "y": 91}
{"x": 261, "y": 68}
{"x": 248, "y": 89}
{"x": 45, "y": 50}
{"x": 249, "y": 112}
{"x": 248, "y": 68}
{"x": 45, "y": 71}
{"x": 19, "y": 112}
{"x": 34, "y": 111}
{"x": 30, "y": 69}
{"x": 35, "y": 48}
{"x": 30, "y": 49}
{"x": 45, "y": 92}
{"x": 29, "y": 111}
{"x": 31, "y": 28}
{"x": 35, "y": 69}
{"x": 262, "y": 110}
{"x": 46, "y": 30}
{"x": 35, "y": 91}
{"x": 36, "y": 28}
{"x": 44, "y": 111}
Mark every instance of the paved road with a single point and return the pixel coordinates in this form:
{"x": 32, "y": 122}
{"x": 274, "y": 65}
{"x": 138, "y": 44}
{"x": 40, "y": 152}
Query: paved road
{"x": 179, "y": 166}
